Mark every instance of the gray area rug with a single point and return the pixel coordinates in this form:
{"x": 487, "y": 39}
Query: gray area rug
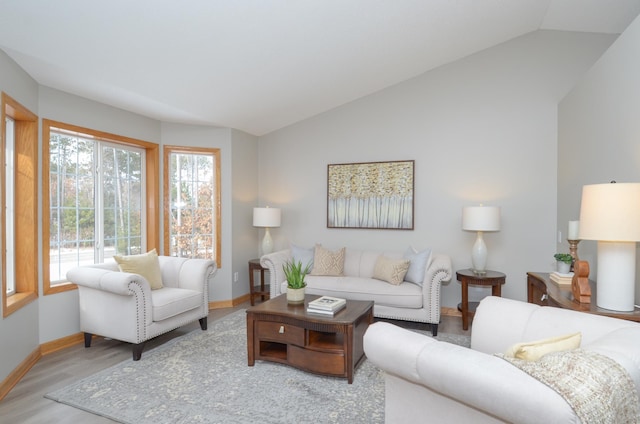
{"x": 203, "y": 377}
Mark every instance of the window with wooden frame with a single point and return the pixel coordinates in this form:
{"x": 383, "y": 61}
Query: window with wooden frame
{"x": 18, "y": 206}
{"x": 100, "y": 199}
{"x": 192, "y": 202}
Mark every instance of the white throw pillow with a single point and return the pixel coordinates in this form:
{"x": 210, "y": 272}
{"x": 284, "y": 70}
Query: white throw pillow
{"x": 417, "y": 266}
{"x": 303, "y": 255}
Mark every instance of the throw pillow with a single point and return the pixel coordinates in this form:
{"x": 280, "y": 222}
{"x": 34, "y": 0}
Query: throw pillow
{"x": 303, "y": 255}
{"x": 532, "y": 351}
{"x": 390, "y": 270}
{"x": 145, "y": 264}
{"x": 418, "y": 265}
{"x": 327, "y": 262}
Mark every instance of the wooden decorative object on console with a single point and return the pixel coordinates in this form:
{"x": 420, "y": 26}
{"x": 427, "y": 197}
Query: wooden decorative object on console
{"x": 580, "y": 284}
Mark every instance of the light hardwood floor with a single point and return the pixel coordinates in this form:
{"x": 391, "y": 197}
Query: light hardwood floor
{"x": 26, "y": 404}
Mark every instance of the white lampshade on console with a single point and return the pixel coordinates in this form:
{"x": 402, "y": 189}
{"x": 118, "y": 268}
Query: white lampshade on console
{"x": 610, "y": 214}
{"x": 266, "y": 218}
{"x": 480, "y": 219}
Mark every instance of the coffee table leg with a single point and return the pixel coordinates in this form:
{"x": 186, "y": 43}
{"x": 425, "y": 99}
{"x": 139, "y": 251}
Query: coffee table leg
{"x": 250, "y": 341}
{"x": 348, "y": 351}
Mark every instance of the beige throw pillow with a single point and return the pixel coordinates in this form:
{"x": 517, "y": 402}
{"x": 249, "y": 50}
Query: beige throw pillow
{"x": 390, "y": 270}
{"x": 146, "y": 264}
{"x": 532, "y": 351}
{"x": 326, "y": 262}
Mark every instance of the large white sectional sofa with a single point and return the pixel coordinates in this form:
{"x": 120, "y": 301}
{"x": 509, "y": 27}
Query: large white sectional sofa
{"x": 452, "y": 384}
{"x": 419, "y": 301}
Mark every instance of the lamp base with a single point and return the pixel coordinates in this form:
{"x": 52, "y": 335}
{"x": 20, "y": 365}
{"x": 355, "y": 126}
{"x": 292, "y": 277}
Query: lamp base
{"x": 267, "y": 242}
{"x": 479, "y": 256}
{"x": 616, "y": 275}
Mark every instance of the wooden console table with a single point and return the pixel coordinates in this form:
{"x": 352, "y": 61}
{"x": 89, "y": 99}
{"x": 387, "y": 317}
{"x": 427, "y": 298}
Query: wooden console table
{"x": 542, "y": 291}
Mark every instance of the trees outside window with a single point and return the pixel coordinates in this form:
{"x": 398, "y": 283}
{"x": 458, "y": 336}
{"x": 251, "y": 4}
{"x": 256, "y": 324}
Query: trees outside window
{"x": 96, "y": 199}
{"x": 192, "y": 202}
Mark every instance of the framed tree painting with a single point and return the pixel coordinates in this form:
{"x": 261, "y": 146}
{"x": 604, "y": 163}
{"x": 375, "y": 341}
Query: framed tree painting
{"x": 373, "y": 195}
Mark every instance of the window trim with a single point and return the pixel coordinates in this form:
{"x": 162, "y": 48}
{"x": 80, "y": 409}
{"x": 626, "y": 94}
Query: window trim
{"x": 152, "y": 156}
{"x": 215, "y": 152}
{"x": 25, "y": 204}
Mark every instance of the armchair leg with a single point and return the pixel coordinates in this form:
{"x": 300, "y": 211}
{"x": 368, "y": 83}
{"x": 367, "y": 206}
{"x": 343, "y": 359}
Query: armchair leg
{"x": 434, "y": 329}
{"x": 203, "y": 323}
{"x": 137, "y": 351}
{"x": 87, "y": 339}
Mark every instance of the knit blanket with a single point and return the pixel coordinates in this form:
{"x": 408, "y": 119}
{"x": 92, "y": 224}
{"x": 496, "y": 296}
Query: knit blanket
{"x": 598, "y": 389}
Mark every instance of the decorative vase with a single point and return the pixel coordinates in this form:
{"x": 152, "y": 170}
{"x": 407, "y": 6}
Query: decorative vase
{"x": 295, "y": 296}
{"x": 563, "y": 267}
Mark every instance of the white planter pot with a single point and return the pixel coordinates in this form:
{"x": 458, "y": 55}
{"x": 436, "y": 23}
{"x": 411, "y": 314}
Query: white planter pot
{"x": 562, "y": 267}
{"x": 295, "y": 296}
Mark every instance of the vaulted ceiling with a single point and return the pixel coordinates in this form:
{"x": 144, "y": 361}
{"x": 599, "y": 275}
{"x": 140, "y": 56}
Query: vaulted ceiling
{"x": 259, "y": 65}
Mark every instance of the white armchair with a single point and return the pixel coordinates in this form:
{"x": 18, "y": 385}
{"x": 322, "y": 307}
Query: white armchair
{"x": 122, "y": 306}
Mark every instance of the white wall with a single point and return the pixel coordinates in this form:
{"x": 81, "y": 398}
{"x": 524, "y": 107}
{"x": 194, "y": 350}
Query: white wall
{"x": 244, "y": 182}
{"x": 599, "y": 133}
{"x": 482, "y": 129}
{"x": 18, "y": 331}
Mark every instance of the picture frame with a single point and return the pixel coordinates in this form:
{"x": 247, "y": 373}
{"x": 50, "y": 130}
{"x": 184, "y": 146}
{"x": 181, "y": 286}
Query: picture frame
{"x": 371, "y": 195}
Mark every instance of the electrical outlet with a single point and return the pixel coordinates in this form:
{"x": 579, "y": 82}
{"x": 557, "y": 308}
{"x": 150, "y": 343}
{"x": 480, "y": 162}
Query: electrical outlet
{"x": 559, "y": 236}
{"x": 235, "y": 277}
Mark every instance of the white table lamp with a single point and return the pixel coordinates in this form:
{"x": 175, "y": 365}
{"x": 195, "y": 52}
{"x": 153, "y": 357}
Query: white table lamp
{"x": 610, "y": 214}
{"x": 480, "y": 219}
{"x": 266, "y": 218}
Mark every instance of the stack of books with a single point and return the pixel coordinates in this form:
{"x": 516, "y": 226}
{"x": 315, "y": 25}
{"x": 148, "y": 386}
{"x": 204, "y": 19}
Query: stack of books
{"x": 326, "y": 305}
{"x": 560, "y": 278}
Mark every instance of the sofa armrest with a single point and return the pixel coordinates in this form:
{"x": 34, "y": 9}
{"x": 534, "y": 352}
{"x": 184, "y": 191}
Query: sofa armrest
{"x": 475, "y": 379}
{"x": 274, "y": 262}
{"x": 107, "y": 280}
{"x": 438, "y": 272}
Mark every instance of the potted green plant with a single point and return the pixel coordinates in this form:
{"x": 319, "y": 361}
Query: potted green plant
{"x": 563, "y": 262}
{"x": 295, "y": 273}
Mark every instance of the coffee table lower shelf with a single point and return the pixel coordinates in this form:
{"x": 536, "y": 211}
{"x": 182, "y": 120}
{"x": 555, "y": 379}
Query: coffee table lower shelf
{"x": 283, "y": 333}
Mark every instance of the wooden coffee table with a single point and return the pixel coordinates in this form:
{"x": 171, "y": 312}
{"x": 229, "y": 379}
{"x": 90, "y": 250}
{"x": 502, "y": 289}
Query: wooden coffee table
{"x": 327, "y": 345}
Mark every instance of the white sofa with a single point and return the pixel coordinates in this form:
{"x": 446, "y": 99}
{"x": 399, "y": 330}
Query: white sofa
{"x": 452, "y": 384}
{"x": 122, "y": 306}
{"x": 406, "y": 301}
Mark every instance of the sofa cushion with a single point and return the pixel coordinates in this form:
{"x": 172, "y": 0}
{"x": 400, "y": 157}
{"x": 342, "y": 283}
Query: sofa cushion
{"x": 358, "y": 263}
{"x": 168, "y": 302}
{"x": 303, "y": 255}
{"x": 390, "y": 270}
{"x": 327, "y": 262}
{"x": 418, "y": 264}
{"x": 404, "y": 295}
{"x": 532, "y": 351}
{"x": 146, "y": 265}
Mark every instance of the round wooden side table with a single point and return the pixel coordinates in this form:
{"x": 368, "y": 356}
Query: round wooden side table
{"x": 254, "y": 265}
{"x": 494, "y": 279}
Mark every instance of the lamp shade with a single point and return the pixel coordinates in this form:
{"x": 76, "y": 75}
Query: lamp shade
{"x": 481, "y": 218}
{"x": 266, "y": 217}
{"x": 610, "y": 212}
